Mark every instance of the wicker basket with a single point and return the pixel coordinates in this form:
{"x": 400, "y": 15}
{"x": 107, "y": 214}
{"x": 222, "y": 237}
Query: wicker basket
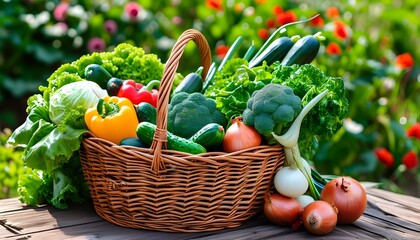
{"x": 166, "y": 190}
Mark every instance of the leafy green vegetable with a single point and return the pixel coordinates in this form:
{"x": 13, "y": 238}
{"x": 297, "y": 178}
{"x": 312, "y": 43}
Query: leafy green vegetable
{"x": 234, "y": 85}
{"x": 188, "y": 113}
{"x": 271, "y": 108}
{"x": 84, "y": 94}
{"x": 325, "y": 119}
{"x": 51, "y": 134}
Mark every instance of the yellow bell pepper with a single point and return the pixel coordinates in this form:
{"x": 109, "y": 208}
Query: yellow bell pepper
{"x": 113, "y": 119}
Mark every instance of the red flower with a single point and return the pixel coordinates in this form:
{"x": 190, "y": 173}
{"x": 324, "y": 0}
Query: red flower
{"x": 270, "y": 23}
{"x": 404, "y": 60}
{"x": 384, "y": 156}
{"x": 277, "y": 10}
{"x": 410, "y": 160}
{"x": 215, "y": 4}
{"x": 414, "y": 131}
{"x": 263, "y": 33}
{"x": 333, "y": 49}
{"x": 332, "y": 12}
{"x": 317, "y": 22}
{"x": 60, "y": 11}
{"x": 286, "y": 17}
{"x": 132, "y": 9}
{"x": 221, "y": 51}
{"x": 340, "y": 29}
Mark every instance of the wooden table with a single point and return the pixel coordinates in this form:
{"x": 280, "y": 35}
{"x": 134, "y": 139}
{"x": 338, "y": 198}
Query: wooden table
{"x": 388, "y": 216}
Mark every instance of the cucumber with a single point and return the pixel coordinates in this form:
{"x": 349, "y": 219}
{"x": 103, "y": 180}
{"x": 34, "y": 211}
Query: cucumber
{"x": 274, "y": 52}
{"x": 98, "y": 74}
{"x": 146, "y": 131}
{"x": 190, "y": 84}
{"x": 133, "y": 141}
{"x": 113, "y": 86}
{"x": 303, "y": 51}
{"x": 146, "y": 112}
{"x": 210, "y": 135}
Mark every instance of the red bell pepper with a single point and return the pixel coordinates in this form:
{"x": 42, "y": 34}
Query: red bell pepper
{"x": 138, "y": 93}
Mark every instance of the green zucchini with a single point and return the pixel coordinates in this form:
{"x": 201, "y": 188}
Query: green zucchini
{"x": 274, "y": 52}
{"x": 133, "y": 141}
{"x": 98, "y": 74}
{"x": 190, "y": 84}
{"x": 303, "y": 51}
{"x": 146, "y": 112}
{"x": 113, "y": 86}
{"x": 210, "y": 135}
{"x": 146, "y": 131}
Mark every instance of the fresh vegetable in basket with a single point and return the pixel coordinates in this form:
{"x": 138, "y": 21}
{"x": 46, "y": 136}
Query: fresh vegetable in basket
{"x": 289, "y": 140}
{"x": 240, "y": 136}
{"x": 188, "y": 113}
{"x": 96, "y": 73}
{"x": 271, "y": 108}
{"x": 134, "y": 142}
{"x": 54, "y": 174}
{"x": 304, "y": 50}
{"x": 76, "y": 96}
{"x": 276, "y": 51}
{"x": 146, "y": 112}
{"x": 146, "y": 130}
{"x": 211, "y": 135}
{"x": 138, "y": 93}
{"x": 191, "y": 83}
{"x": 234, "y": 85}
{"x": 326, "y": 118}
{"x": 113, "y": 119}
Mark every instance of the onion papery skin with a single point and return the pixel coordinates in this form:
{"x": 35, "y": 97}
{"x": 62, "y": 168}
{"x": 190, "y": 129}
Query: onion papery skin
{"x": 348, "y": 196}
{"x": 281, "y": 210}
{"x": 240, "y": 136}
{"x": 319, "y": 217}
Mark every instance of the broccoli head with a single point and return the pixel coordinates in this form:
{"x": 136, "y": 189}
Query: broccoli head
{"x": 188, "y": 113}
{"x": 271, "y": 108}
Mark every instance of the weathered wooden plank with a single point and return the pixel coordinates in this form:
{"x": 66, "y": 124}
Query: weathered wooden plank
{"x": 28, "y": 220}
{"x": 10, "y": 204}
{"x": 408, "y": 208}
{"x": 103, "y": 230}
{"x": 388, "y": 216}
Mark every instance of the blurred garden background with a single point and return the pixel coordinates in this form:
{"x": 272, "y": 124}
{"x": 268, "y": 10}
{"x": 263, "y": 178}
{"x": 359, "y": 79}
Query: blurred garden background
{"x": 372, "y": 45}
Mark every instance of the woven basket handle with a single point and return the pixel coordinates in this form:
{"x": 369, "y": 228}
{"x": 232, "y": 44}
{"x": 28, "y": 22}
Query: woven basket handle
{"x": 169, "y": 72}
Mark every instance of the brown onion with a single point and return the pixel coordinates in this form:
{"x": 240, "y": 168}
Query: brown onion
{"x": 319, "y": 217}
{"x": 240, "y": 136}
{"x": 281, "y": 210}
{"x": 348, "y": 195}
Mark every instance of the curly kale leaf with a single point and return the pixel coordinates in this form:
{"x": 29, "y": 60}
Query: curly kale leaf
{"x": 327, "y": 117}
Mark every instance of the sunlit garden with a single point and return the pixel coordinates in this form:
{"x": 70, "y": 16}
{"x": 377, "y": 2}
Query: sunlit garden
{"x": 371, "y": 45}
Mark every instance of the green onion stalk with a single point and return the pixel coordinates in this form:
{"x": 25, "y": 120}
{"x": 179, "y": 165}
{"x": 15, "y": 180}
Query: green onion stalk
{"x": 289, "y": 140}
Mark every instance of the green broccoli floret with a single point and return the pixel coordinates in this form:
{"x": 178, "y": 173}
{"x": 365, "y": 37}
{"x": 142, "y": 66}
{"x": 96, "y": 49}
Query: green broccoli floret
{"x": 188, "y": 113}
{"x": 271, "y": 108}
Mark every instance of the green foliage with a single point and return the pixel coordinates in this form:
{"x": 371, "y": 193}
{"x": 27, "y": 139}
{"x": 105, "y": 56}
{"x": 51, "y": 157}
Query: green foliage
{"x": 10, "y": 167}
